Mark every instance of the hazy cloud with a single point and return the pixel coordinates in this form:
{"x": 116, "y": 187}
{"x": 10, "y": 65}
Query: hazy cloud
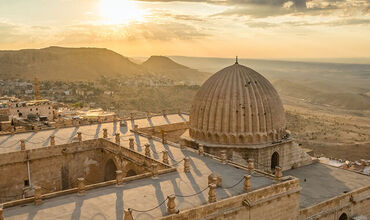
{"x": 165, "y": 31}
{"x": 339, "y": 22}
{"x": 268, "y": 8}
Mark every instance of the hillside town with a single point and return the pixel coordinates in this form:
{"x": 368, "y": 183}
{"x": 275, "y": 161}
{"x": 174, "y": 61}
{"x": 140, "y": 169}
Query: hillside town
{"x": 31, "y": 113}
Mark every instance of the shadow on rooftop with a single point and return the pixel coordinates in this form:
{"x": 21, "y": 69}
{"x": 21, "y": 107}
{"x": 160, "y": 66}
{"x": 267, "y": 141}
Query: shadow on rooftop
{"x": 119, "y": 204}
{"x": 74, "y": 132}
{"x": 321, "y": 182}
{"x": 123, "y": 129}
{"x": 154, "y": 150}
{"x": 182, "y": 117}
{"x": 138, "y": 144}
{"x": 76, "y": 214}
{"x": 97, "y": 131}
{"x": 167, "y": 120}
{"x": 150, "y": 122}
{"x": 6, "y": 139}
{"x": 114, "y": 128}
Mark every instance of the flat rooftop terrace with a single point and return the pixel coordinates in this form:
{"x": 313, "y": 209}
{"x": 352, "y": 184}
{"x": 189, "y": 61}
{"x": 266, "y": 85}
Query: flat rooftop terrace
{"x": 322, "y": 182}
{"x": 109, "y": 202}
{"x": 9, "y": 143}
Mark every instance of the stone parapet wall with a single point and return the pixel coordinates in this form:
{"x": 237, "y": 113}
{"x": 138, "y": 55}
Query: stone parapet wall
{"x": 278, "y": 201}
{"x": 55, "y": 168}
{"x": 354, "y": 203}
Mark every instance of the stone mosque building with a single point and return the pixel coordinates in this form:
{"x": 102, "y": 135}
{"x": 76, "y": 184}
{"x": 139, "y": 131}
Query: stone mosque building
{"x": 235, "y": 160}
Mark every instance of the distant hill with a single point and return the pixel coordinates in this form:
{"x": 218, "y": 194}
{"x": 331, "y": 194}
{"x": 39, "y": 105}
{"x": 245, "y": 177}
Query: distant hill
{"x": 165, "y": 66}
{"x": 75, "y": 64}
{"x": 67, "y": 64}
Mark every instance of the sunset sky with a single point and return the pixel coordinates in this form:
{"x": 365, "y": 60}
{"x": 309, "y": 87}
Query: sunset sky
{"x": 212, "y": 28}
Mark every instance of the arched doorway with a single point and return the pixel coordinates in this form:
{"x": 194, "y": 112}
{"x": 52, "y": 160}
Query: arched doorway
{"x": 343, "y": 217}
{"x": 131, "y": 172}
{"x": 274, "y": 160}
{"x": 110, "y": 170}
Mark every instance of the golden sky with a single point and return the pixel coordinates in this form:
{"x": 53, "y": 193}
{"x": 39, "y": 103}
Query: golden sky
{"x": 212, "y": 28}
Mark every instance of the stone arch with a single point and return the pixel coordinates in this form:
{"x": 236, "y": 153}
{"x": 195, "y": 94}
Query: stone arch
{"x": 264, "y": 138}
{"x": 343, "y": 216}
{"x": 209, "y": 136}
{"x": 271, "y": 136}
{"x": 241, "y": 139}
{"x": 216, "y": 138}
{"x": 258, "y": 138}
{"x": 110, "y": 170}
{"x": 224, "y": 139}
{"x": 250, "y": 139}
{"x": 274, "y": 160}
{"x": 203, "y": 135}
{"x": 232, "y": 139}
{"x": 131, "y": 172}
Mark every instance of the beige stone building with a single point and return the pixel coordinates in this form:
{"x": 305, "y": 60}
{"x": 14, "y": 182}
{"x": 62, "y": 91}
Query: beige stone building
{"x": 41, "y": 108}
{"x": 223, "y": 168}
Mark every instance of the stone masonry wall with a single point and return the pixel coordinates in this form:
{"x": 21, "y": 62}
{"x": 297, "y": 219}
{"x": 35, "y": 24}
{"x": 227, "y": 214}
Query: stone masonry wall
{"x": 279, "y": 201}
{"x": 290, "y": 155}
{"x": 57, "y": 167}
{"x": 355, "y": 203}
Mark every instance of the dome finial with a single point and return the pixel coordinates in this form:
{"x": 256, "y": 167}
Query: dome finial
{"x": 236, "y": 60}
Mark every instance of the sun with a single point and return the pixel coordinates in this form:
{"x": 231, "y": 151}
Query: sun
{"x": 119, "y": 11}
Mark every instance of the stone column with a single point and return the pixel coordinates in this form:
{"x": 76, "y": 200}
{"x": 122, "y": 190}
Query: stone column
{"x": 201, "y": 150}
{"x": 165, "y": 157}
{"x": 118, "y": 139}
{"x": 215, "y": 178}
{"x": 155, "y": 171}
{"x": 147, "y": 150}
{"x": 52, "y": 140}
{"x": 223, "y": 157}
{"x": 179, "y": 112}
{"x": 250, "y": 165}
{"x": 164, "y": 112}
{"x": 247, "y": 182}
{"x": 132, "y": 116}
{"x": 163, "y": 137}
{"x": 171, "y": 205}
{"x": 278, "y": 172}
{"x": 79, "y": 136}
{"x": 105, "y": 133}
{"x": 80, "y": 186}
{"x": 23, "y": 144}
{"x": 128, "y": 215}
{"x": 132, "y": 144}
{"x": 37, "y": 198}
{"x": 1, "y": 212}
{"x": 212, "y": 193}
{"x": 187, "y": 165}
{"x": 119, "y": 177}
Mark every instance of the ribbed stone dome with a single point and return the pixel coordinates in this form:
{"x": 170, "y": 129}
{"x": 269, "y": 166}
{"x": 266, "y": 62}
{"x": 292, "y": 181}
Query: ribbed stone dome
{"x": 237, "y": 105}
